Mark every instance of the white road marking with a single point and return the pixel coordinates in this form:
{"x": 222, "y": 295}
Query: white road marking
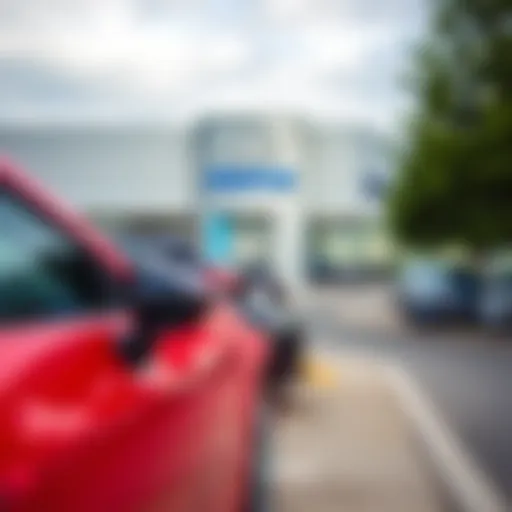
{"x": 468, "y": 483}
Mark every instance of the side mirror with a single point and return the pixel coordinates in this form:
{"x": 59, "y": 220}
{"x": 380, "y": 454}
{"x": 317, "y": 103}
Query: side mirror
{"x": 161, "y": 302}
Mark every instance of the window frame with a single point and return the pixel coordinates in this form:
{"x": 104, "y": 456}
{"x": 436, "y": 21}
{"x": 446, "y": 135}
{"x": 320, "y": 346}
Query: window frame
{"x": 112, "y": 288}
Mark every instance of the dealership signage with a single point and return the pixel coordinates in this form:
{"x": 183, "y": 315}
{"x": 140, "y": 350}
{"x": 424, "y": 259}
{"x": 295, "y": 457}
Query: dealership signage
{"x": 249, "y": 178}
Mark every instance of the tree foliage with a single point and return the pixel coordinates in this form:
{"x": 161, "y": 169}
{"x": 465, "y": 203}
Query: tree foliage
{"x": 454, "y": 182}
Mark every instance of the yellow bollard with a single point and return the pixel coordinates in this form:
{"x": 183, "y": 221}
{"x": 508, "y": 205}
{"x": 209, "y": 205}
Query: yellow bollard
{"x": 318, "y": 372}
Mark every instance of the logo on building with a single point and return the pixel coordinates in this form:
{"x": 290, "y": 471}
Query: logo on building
{"x": 249, "y": 178}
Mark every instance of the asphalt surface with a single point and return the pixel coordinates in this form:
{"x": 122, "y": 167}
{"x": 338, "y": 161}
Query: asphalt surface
{"x": 469, "y": 381}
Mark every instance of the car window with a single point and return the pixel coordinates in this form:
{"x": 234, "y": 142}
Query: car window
{"x": 155, "y": 271}
{"x": 171, "y": 249}
{"x": 422, "y": 276}
{"x": 42, "y": 272}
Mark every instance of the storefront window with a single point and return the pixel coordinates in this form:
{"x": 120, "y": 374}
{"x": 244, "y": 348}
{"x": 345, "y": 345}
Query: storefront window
{"x": 338, "y": 247}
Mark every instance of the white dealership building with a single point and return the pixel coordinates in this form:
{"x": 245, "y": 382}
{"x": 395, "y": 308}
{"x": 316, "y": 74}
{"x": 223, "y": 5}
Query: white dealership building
{"x": 245, "y": 186}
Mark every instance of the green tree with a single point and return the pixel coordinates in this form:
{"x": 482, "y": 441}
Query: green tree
{"x": 454, "y": 181}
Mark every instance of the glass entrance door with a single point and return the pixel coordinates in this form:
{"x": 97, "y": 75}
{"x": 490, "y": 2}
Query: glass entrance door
{"x": 252, "y": 240}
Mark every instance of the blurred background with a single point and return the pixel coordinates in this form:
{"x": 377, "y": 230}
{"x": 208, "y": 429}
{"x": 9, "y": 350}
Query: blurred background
{"x": 361, "y": 148}
{"x": 259, "y": 129}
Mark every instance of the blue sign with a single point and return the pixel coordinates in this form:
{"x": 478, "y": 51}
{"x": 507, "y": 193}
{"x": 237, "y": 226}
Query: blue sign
{"x": 231, "y": 178}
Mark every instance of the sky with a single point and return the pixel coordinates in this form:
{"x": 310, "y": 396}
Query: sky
{"x": 177, "y": 59}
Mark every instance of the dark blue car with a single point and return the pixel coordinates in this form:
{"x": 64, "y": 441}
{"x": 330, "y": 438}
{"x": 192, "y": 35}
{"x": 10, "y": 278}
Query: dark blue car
{"x": 433, "y": 292}
{"x": 496, "y": 303}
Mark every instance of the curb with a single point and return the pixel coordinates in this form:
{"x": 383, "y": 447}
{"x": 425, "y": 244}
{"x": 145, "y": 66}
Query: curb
{"x": 467, "y": 485}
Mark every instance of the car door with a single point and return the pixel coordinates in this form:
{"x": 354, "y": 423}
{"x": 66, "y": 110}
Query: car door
{"x": 219, "y": 366}
{"x": 82, "y": 430}
{"x": 221, "y": 360}
{"x": 60, "y": 318}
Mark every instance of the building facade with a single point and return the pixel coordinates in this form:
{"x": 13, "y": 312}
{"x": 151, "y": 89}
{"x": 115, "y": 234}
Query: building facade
{"x": 245, "y": 187}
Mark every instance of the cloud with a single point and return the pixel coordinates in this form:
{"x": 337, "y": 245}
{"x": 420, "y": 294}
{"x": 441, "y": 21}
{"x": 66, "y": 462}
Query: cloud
{"x": 193, "y": 54}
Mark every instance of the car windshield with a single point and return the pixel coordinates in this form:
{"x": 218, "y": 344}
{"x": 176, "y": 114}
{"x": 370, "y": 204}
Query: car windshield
{"x": 425, "y": 276}
{"x": 424, "y": 271}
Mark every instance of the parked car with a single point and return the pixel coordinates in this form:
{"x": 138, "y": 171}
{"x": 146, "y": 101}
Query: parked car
{"x": 321, "y": 270}
{"x": 434, "y": 292}
{"x": 121, "y": 387}
{"x": 260, "y": 274}
{"x": 265, "y": 300}
{"x": 496, "y": 303}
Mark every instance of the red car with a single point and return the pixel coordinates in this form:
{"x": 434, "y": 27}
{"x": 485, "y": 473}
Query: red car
{"x": 116, "y": 397}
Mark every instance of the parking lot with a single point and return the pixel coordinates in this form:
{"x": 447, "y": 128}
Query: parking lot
{"x": 345, "y": 443}
{"x": 369, "y": 307}
{"x": 454, "y": 425}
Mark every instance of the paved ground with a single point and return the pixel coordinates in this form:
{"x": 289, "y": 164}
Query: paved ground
{"x": 347, "y": 446}
{"x": 472, "y": 389}
{"x": 356, "y": 306}
{"x": 466, "y": 375}
{"x": 469, "y": 382}
{"x": 370, "y": 309}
